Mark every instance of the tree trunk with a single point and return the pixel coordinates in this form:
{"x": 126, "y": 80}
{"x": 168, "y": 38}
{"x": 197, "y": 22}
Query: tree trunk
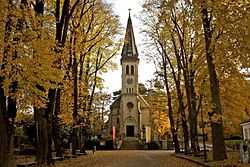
{"x": 194, "y": 134}
{"x": 193, "y": 114}
{"x": 75, "y": 107}
{"x": 181, "y": 110}
{"x": 62, "y": 16}
{"x": 74, "y": 140}
{"x": 97, "y": 64}
{"x": 176, "y": 141}
{"x": 43, "y": 117}
{"x": 83, "y": 140}
{"x": 177, "y": 80}
{"x": 185, "y": 133}
{"x": 11, "y": 114}
{"x": 62, "y": 22}
{"x": 49, "y": 133}
{"x": 41, "y": 136}
{"x": 7, "y": 131}
{"x": 57, "y": 138}
{"x": 4, "y": 158}
{"x": 191, "y": 104}
{"x": 174, "y": 130}
{"x": 3, "y": 130}
{"x": 219, "y": 151}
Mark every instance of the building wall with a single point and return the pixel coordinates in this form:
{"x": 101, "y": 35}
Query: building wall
{"x": 246, "y": 131}
{"x": 129, "y": 115}
{"x": 139, "y": 115}
{"x": 146, "y": 117}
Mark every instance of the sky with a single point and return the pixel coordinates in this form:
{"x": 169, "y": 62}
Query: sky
{"x": 120, "y": 7}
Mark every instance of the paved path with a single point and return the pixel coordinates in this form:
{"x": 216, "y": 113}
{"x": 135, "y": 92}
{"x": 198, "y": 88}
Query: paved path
{"x": 128, "y": 158}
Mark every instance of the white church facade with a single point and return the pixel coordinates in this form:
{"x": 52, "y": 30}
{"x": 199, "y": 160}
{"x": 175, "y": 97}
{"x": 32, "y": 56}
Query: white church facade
{"x": 130, "y": 117}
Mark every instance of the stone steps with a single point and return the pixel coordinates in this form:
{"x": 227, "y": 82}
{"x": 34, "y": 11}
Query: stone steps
{"x": 131, "y": 145}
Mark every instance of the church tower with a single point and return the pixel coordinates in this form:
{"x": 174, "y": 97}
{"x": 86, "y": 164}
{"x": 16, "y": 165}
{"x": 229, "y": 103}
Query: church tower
{"x": 130, "y": 115}
{"x": 129, "y": 62}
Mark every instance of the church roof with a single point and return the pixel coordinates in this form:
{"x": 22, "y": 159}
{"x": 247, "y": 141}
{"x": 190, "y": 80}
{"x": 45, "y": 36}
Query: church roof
{"x": 116, "y": 103}
{"x": 129, "y": 47}
{"x": 245, "y": 123}
{"x": 143, "y": 101}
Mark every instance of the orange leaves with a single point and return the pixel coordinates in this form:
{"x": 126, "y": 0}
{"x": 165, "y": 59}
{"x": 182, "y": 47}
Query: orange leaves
{"x": 28, "y": 55}
{"x": 158, "y": 108}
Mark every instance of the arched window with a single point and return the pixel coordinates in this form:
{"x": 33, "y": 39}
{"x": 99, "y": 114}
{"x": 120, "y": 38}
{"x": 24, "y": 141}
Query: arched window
{"x": 132, "y": 70}
{"x": 127, "y": 69}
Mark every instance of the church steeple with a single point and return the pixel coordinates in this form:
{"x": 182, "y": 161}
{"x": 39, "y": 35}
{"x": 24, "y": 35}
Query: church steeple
{"x": 129, "y": 47}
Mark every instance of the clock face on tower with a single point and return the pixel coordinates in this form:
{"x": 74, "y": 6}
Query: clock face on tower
{"x": 129, "y": 80}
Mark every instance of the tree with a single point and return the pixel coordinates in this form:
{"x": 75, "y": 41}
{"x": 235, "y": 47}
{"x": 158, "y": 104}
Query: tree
{"x": 162, "y": 35}
{"x": 185, "y": 37}
{"x": 158, "y": 103}
{"x": 92, "y": 45}
{"x": 6, "y": 126}
{"x": 26, "y": 67}
{"x": 219, "y": 152}
{"x": 217, "y": 37}
{"x": 62, "y": 17}
{"x": 32, "y": 63}
{"x": 177, "y": 28}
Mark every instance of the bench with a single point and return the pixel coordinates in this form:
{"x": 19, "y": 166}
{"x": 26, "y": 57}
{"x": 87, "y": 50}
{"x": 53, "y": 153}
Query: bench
{"x": 69, "y": 156}
{"x": 26, "y": 164}
{"x": 78, "y": 154}
{"x": 57, "y": 158}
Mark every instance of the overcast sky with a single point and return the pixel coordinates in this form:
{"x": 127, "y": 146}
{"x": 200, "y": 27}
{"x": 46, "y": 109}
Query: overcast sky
{"x": 120, "y": 7}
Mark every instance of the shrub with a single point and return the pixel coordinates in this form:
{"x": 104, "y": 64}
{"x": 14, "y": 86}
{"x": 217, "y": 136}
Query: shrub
{"x": 153, "y": 146}
{"x": 233, "y": 144}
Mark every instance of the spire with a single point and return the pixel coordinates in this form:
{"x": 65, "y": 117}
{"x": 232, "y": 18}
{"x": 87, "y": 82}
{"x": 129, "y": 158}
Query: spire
{"x": 129, "y": 47}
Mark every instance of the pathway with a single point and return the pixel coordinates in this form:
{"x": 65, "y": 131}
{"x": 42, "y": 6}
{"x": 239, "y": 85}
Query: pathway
{"x": 127, "y": 158}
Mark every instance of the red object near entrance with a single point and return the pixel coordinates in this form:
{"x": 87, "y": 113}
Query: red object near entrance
{"x": 113, "y": 133}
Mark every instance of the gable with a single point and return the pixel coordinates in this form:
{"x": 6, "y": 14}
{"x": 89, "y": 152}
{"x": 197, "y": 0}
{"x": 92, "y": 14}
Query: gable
{"x": 143, "y": 102}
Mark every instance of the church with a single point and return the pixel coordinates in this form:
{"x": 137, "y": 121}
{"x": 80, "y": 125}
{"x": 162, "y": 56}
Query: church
{"x": 130, "y": 117}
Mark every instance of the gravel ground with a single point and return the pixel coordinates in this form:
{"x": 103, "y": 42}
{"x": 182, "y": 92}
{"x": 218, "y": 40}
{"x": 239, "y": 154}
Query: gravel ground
{"x": 127, "y": 158}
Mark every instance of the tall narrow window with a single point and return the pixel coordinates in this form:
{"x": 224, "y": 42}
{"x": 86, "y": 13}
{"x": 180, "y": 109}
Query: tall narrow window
{"x": 245, "y": 133}
{"x": 127, "y": 69}
{"x": 132, "y": 70}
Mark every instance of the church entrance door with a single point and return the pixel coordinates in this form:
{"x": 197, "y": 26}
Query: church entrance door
{"x": 130, "y": 131}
